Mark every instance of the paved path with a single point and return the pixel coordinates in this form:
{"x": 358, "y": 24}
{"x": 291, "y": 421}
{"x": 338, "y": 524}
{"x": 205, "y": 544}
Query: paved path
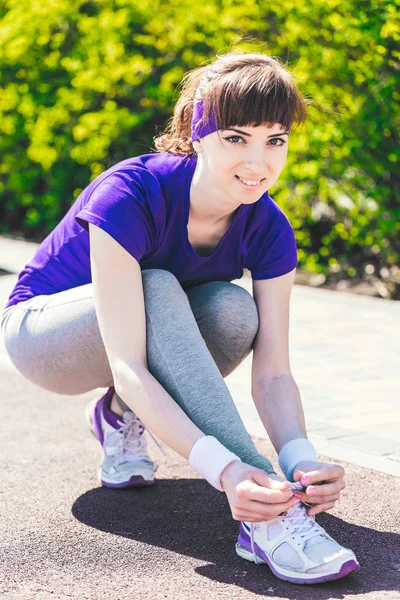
{"x": 345, "y": 357}
{"x": 63, "y": 537}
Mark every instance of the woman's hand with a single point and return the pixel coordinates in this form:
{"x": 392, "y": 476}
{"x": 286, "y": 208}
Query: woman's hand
{"x": 328, "y": 480}
{"x": 253, "y": 495}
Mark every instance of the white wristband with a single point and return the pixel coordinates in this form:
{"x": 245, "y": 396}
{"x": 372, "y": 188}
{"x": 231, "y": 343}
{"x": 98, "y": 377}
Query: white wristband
{"x": 294, "y": 452}
{"x": 209, "y": 458}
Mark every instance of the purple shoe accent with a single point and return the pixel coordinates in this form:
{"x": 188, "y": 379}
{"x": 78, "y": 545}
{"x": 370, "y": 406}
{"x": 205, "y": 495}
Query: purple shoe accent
{"x": 244, "y": 538}
{"x": 103, "y": 406}
{"x": 134, "y": 481}
{"x": 101, "y": 420}
{"x": 348, "y": 567}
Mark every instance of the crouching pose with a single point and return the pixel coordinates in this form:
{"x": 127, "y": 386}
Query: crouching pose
{"x": 132, "y": 292}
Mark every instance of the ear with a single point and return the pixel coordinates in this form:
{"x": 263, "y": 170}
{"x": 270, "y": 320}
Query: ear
{"x": 197, "y": 146}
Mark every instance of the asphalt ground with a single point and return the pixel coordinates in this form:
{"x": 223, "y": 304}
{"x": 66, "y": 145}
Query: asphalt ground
{"x": 63, "y": 536}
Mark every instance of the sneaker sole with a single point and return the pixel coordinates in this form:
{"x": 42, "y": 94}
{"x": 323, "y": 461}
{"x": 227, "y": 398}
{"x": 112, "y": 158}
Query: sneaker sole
{"x": 346, "y": 568}
{"x": 134, "y": 481}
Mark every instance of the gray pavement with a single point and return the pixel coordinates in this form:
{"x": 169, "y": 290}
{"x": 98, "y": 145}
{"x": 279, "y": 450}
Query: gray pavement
{"x": 63, "y": 537}
{"x": 345, "y": 358}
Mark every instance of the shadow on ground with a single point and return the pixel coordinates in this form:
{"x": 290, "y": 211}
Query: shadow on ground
{"x": 63, "y": 537}
{"x": 189, "y": 518}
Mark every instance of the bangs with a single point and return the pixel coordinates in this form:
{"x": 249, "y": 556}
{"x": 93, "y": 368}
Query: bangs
{"x": 236, "y": 89}
{"x": 256, "y": 97}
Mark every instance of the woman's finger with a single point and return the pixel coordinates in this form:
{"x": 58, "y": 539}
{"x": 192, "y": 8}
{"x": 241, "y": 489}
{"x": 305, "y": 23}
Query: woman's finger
{"x": 326, "y": 489}
{"x": 318, "y": 508}
{"x": 265, "y": 512}
{"x": 252, "y": 491}
{"x": 323, "y": 493}
{"x": 320, "y": 499}
{"x": 274, "y": 497}
{"x": 327, "y": 473}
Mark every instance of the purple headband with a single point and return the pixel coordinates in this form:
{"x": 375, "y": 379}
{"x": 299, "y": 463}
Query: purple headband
{"x": 199, "y": 128}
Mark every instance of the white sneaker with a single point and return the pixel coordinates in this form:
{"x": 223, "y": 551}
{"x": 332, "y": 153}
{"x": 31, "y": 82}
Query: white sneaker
{"x": 295, "y": 548}
{"x": 126, "y": 462}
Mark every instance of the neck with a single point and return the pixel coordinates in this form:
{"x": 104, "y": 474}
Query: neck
{"x": 212, "y": 208}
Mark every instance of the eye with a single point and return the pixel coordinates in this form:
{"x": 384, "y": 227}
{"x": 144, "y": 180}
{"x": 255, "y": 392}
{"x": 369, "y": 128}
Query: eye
{"x": 283, "y": 142}
{"x": 233, "y": 139}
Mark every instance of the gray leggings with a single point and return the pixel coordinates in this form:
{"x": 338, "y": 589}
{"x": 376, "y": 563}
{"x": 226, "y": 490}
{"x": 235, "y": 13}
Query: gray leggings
{"x": 195, "y": 337}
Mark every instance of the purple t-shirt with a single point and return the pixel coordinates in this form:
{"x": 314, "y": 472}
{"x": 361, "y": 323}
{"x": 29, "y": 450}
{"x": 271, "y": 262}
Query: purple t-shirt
{"x": 143, "y": 203}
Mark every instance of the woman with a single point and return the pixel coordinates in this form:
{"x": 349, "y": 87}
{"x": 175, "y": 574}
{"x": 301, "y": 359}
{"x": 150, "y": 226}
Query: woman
{"x": 132, "y": 291}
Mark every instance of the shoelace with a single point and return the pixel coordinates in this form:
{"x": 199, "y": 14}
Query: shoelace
{"x": 155, "y": 441}
{"x": 132, "y": 429}
{"x": 298, "y": 519}
{"x": 297, "y": 486}
{"x": 301, "y": 523}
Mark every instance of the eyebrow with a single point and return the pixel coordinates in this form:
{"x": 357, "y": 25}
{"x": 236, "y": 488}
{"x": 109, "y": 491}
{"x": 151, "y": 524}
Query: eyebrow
{"x": 249, "y": 134}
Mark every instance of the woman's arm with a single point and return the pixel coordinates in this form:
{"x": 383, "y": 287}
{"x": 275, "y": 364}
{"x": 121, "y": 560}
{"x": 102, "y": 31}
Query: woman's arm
{"x": 274, "y": 391}
{"x": 119, "y": 302}
{"x": 278, "y": 402}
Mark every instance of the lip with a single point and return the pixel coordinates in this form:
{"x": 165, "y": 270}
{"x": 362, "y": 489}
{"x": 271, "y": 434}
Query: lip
{"x": 249, "y": 187}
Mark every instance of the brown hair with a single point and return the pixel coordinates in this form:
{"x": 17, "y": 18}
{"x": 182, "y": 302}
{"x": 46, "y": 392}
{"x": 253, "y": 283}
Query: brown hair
{"x": 241, "y": 89}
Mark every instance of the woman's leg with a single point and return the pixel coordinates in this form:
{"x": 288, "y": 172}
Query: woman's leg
{"x": 194, "y": 339}
{"x": 55, "y": 342}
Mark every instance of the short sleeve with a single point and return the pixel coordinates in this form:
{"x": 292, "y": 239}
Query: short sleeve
{"x": 119, "y": 206}
{"x": 273, "y": 249}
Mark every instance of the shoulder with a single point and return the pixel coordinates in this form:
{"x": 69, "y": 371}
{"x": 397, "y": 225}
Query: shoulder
{"x": 265, "y": 215}
{"x": 160, "y": 165}
{"x": 147, "y": 171}
{"x": 170, "y": 170}
{"x": 266, "y": 205}
{"x": 139, "y": 176}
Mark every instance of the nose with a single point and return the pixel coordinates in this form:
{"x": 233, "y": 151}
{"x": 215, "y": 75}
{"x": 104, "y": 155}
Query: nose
{"x": 255, "y": 170}
{"x": 255, "y": 164}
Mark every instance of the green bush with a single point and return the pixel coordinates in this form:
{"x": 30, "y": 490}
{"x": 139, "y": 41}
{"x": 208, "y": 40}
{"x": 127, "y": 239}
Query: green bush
{"x": 85, "y": 85}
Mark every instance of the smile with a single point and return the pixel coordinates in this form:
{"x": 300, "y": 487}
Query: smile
{"x": 249, "y": 182}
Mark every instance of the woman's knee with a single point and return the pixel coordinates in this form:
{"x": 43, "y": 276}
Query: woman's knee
{"x": 237, "y": 305}
{"x": 159, "y": 286}
{"x": 230, "y": 316}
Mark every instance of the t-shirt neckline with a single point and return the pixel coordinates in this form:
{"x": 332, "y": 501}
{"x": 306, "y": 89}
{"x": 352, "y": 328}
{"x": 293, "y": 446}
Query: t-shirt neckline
{"x": 189, "y": 177}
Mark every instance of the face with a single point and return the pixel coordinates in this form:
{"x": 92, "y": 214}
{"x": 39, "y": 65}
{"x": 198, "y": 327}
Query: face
{"x": 242, "y": 163}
